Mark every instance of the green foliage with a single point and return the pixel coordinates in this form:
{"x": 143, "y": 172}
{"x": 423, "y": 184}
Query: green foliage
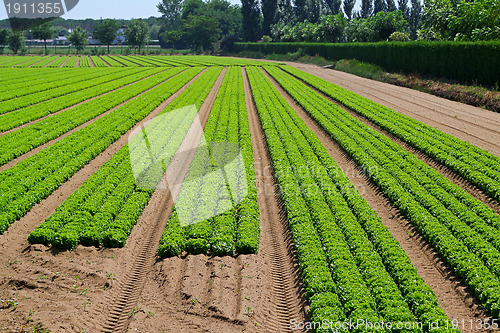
{"x": 329, "y": 29}
{"x": 461, "y": 228}
{"x": 399, "y": 36}
{"x": 472, "y": 62}
{"x": 360, "y": 68}
{"x": 43, "y": 32}
{"x": 78, "y": 38}
{"x": 137, "y": 34}
{"x": 16, "y": 41}
{"x": 251, "y": 20}
{"x": 462, "y": 20}
{"x": 202, "y": 31}
{"x": 105, "y": 31}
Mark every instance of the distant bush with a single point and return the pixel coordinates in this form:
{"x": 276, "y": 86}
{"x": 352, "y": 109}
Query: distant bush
{"x": 399, "y": 36}
{"x": 462, "y": 61}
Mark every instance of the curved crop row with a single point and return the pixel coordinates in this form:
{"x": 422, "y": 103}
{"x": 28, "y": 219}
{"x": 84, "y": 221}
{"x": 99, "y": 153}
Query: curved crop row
{"x": 83, "y": 92}
{"x": 59, "y": 61}
{"x": 437, "y": 219}
{"x": 25, "y": 139}
{"x": 105, "y": 208}
{"x": 236, "y": 229}
{"x": 30, "y": 62}
{"x": 84, "y": 80}
{"x": 474, "y": 164}
{"x": 45, "y": 62}
{"x": 366, "y": 274}
{"x": 39, "y": 79}
{"x": 98, "y": 62}
{"x": 33, "y": 179}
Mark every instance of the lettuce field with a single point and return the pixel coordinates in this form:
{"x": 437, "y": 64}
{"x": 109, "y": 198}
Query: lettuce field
{"x": 203, "y": 193}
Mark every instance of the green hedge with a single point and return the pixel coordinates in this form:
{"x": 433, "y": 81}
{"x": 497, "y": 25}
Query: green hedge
{"x": 463, "y": 61}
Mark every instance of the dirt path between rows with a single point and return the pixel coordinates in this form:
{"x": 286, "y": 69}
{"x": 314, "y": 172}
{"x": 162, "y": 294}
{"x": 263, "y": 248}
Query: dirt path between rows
{"x": 50, "y": 63}
{"x": 91, "y": 62}
{"x": 454, "y": 297}
{"x": 249, "y": 293}
{"x": 475, "y": 125}
{"x": 75, "y": 105}
{"x": 451, "y": 175}
{"x": 64, "y": 291}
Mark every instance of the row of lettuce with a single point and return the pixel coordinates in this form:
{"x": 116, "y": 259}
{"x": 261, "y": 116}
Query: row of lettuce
{"x": 22, "y": 140}
{"x": 219, "y": 191}
{"x": 472, "y": 163}
{"x": 122, "y": 61}
{"x": 352, "y": 268}
{"x": 106, "y": 207}
{"x": 463, "y": 230}
{"x": 19, "y": 111}
{"x": 36, "y": 177}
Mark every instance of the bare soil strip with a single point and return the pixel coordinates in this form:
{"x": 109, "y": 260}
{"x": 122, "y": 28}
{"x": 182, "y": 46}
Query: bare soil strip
{"x": 41, "y": 59}
{"x": 104, "y": 61}
{"x": 40, "y": 148}
{"x": 78, "y": 61}
{"x": 475, "y": 125}
{"x": 249, "y": 293}
{"x": 288, "y": 301}
{"x": 50, "y": 63}
{"x": 91, "y": 62}
{"x": 126, "y": 296}
{"x": 73, "y": 106}
{"x": 454, "y": 297}
{"x": 442, "y": 169}
{"x": 64, "y": 62}
{"x": 39, "y": 277}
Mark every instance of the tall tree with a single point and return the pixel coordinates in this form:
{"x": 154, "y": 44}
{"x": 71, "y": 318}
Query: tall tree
{"x": 202, "y": 31}
{"x": 4, "y": 39}
{"x": 269, "y": 12}
{"x": 251, "y": 19}
{"x": 333, "y": 6}
{"x": 171, "y": 11}
{"x": 300, "y": 10}
{"x": 43, "y": 32}
{"x": 403, "y": 7}
{"x": 379, "y": 6}
{"x": 391, "y": 6}
{"x": 137, "y": 34}
{"x": 348, "y": 6}
{"x": 314, "y": 10}
{"x": 284, "y": 12}
{"x": 16, "y": 41}
{"x": 105, "y": 31}
{"x": 415, "y": 19}
{"x": 366, "y": 8}
{"x": 78, "y": 38}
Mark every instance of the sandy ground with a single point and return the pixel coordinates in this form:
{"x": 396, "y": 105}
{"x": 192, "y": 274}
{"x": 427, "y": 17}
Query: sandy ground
{"x": 477, "y": 126}
{"x": 89, "y": 289}
{"x": 454, "y": 297}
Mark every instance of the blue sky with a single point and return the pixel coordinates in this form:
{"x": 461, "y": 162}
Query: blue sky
{"x": 123, "y": 9}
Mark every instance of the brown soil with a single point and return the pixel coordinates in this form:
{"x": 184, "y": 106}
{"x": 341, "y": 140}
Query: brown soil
{"x": 454, "y": 297}
{"x": 41, "y": 59}
{"x": 64, "y": 62}
{"x": 469, "y": 123}
{"x": 71, "y": 107}
{"x": 78, "y": 61}
{"x": 50, "y": 63}
{"x": 64, "y": 291}
{"x": 91, "y": 62}
{"x": 249, "y": 293}
{"x": 471, "y": 95}
{"x": 104, "y": 62}
{"x": 445, "y": 171}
